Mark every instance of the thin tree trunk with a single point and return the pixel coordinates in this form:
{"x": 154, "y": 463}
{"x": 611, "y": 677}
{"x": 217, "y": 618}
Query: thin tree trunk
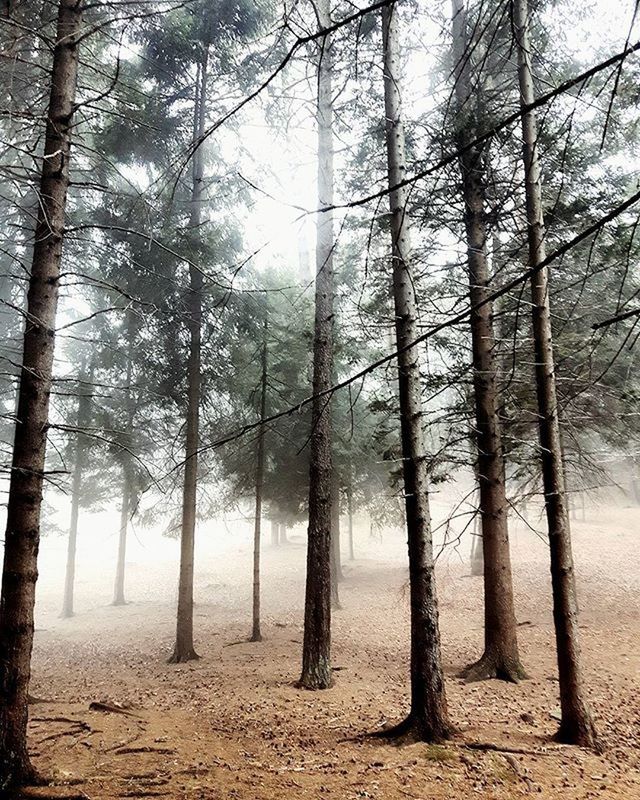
{"x": 84, "y": 408}
{"x": 335, "y": 546}
{"x": 428, "y": 717}
{"x": 184, "y": 649}
{"x": 283, "y": 533}
{"x": 22, "y": 536}
{"x": 316, "y": 653}
{"x": 118, "y": 588}
{"x": 576, "y": 726}
{"x": 500, "y": 658}
{"x": 275, "y": 533}
{"x": 256, "y": 635}
{"x": 350, "y": 513}
{"x": 128, "y": 492}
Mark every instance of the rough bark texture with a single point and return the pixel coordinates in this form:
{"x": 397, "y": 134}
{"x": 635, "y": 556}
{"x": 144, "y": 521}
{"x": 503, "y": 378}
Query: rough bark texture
{"x": 316, "y": 655}
{"x": 20, "y": 569}
{"x": 184, "y": 649}
{"x": 428, "y": 718}
{"x": 576, "y": 726}
{"x": 82, "y": 420}
{"x": 256, "y": 634}
{"x": 500, "y": 658}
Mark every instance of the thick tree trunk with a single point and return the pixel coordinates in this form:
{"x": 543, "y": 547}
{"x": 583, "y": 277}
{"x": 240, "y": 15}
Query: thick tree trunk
{"x": 316, "y": 655}
{"x": 256, "y": 635}
{"x": 500, "y": 658}
{"x": 20, "y": 569}
{"x": 275, "y": 533}
{"x": 283, "y": 533}
{"x": 576, "y": 726}
{"x": 428, "y": 718}
{"x": 84, "y": 407}
{"x": 184, "y": 649}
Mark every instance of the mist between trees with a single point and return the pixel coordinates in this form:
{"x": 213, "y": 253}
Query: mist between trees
{"x": 303, "y": 268}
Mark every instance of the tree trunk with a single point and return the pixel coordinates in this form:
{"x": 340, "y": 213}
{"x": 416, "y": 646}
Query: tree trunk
{"x": 576, "y": 726}
{"x": 22, "y": 536}
{"x": 428, "y": 717}
{"x": 184, "y": 649}
{"x": 118, "y": 588}
{"x": 500, "y": 658}
{"x": 316, "y": 654}
{"x": 128, "y": 492}
{"x": 283, "y": 533}
{"x": 350, "y": 513}
{"x": 477, "y": 555}
{"x": 275, "y": 533}
{"x": 256, "y": 635}
{"x": 84, "y": 410}
{"x": 335, "y": 546}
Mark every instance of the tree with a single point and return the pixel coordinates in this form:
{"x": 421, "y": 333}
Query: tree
{"x": 428, "y": 717}
{"x": 256, "y": 635}
{"x": 576, "y": 725}
{"x": 84, "y": 410}
{"x": 27, "y": 469}
{"x": 316, "y": 652}
{"x": 500, "y": 658}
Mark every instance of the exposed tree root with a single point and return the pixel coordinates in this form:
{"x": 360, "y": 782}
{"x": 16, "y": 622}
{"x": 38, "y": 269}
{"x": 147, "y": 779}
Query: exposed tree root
{"x": 492, "y": 666}
{"x": 110, "y": 708}
{"x": 163, "y": 751}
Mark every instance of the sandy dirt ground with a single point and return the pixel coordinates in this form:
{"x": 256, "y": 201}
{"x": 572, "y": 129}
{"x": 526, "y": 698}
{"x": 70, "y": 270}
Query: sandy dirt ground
{"x": 233, "y": 724}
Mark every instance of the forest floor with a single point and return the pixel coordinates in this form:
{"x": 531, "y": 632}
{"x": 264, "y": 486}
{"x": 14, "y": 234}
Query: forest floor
{"x": 233, "y": 724}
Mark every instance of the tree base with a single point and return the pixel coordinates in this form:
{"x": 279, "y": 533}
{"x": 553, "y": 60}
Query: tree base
{"x": 493, "y": 667}
{"x": 19, "y": 775}
{"x": 580, "y": 733}
{"x": 255, "y": 637}
{"x": 66, "y": 614}
{"x": 415, "y": 729}
{"x": 180, "y": 657}
{"x": 119, "y": 602}
{"x": 315, "y": 680}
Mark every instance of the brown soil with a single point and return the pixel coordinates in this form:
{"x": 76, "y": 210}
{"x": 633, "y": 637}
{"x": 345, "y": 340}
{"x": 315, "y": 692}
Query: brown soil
{"x": 233, "y": 725}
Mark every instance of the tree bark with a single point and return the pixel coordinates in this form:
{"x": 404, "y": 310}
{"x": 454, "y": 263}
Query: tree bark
{"x": 576, "y": 726}
{"x": 316, "y": 654}
{"x": 184, "y": 649}
{"x": 428, "y": 717}
{"x": 275, "y": 533}
{"x": 256, "y": 635}
{"x": 283, "y": 533}
{"x": 82, "y": 420}
{"x": 22, "y": 538}
{"x": 500, "y": 658}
